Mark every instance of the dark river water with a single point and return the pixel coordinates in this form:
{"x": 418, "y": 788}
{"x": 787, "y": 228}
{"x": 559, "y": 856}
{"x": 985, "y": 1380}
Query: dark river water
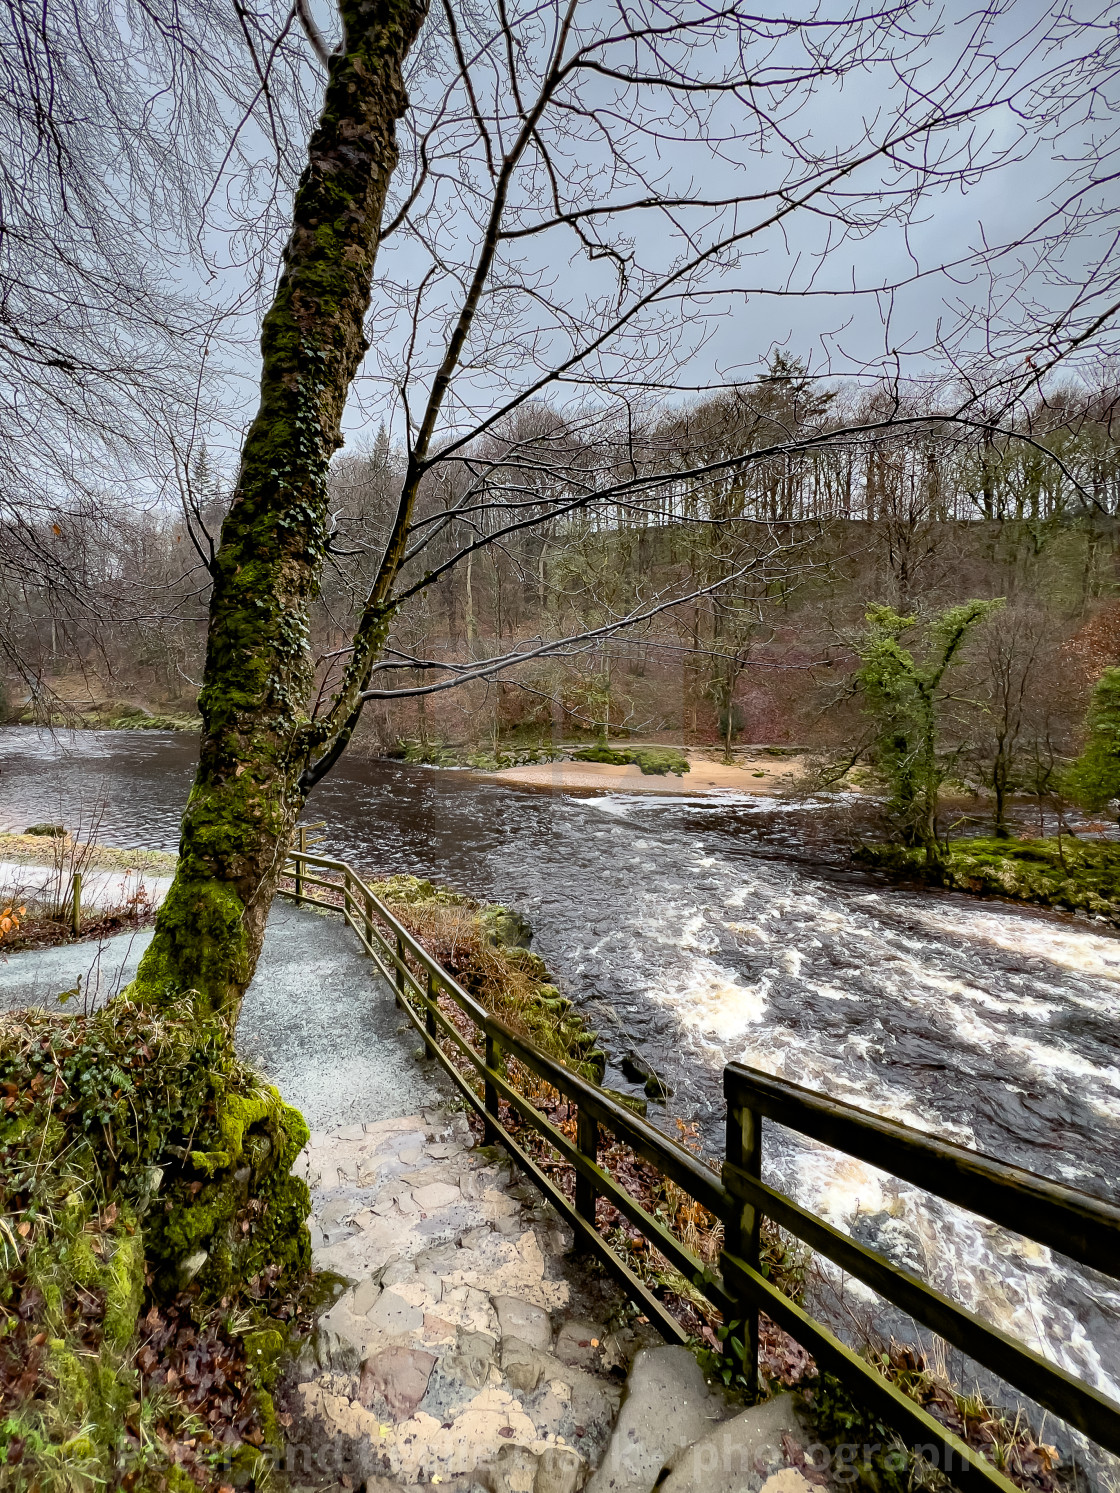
{"x": 697, "y": 931}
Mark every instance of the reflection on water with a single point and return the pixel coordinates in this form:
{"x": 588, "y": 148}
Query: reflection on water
{"x": 703, "y": 930}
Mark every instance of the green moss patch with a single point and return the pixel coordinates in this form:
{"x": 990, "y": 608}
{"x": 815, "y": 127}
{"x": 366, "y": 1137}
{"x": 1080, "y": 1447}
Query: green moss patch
{"x": 155, "y": 723}
{"x": 482, "y": 759}
{"x": 112, "y": 718}
{"x": 1070, "y": 874}
{"x": 141, "y": 1162}
{"x": 653, "y": 760}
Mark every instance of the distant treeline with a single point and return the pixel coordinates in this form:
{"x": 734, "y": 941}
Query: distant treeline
{"x": 849, "y": 498}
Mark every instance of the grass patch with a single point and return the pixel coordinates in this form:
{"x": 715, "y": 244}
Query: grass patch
{"x": 153, "y": 723}
{"x": 44, "y": 932}
{"x": 112, "y": 718}
{"x": 35, "y": 849}
{"x": 1070, "y": 874}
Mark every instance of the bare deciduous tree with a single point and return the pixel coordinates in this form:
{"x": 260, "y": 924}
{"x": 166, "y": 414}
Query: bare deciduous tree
{"x": 122, "y": 128}
{"x": 584, "y": 192}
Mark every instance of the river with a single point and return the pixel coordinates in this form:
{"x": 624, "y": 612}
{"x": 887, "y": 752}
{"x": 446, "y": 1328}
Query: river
{"x": 700, "y": 930}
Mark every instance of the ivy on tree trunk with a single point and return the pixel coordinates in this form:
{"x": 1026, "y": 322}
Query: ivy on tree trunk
{"x": 256, "y": 737}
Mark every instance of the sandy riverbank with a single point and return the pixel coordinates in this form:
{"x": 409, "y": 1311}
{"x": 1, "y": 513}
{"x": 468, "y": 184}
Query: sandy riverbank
{"x": 763, "y": 775}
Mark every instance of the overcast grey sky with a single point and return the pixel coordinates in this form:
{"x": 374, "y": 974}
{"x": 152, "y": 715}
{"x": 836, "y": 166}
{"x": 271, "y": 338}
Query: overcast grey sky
{"x": 1033, "y": 91}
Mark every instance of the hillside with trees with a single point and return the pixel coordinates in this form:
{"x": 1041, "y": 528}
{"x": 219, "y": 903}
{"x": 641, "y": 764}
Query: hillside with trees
{"x": 726, "y": 609}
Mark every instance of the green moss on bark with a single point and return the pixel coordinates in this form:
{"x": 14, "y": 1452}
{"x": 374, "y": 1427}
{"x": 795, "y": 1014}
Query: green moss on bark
{"x": 256, "y": 737}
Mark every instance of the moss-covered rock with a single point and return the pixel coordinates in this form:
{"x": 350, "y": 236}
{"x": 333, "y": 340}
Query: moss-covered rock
{"x": 510, "y": 930}
{"x": 138, "y": 1155}
{"x": 1072, "y": 874}
{"x": 483, "y": 759}
{"x": 653, "y": 760}
{"x": 410, "y": 891}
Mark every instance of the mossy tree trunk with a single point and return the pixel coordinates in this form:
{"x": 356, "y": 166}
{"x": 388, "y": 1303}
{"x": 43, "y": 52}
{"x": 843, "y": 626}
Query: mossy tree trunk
{"x": 256, "y": 736}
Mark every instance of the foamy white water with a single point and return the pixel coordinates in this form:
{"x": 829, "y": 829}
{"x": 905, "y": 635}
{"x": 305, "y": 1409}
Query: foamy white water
{"x": 968, "y": 1019}
{"x": 698, "y": 931}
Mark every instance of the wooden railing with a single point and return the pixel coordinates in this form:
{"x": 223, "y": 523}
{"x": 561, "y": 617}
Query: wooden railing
{"x": 1083, "y": 1228}
{"x": 1079, "y": 1226}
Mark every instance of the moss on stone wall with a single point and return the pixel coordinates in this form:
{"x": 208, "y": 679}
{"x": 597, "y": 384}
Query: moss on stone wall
{"x": 138, "y": 1157}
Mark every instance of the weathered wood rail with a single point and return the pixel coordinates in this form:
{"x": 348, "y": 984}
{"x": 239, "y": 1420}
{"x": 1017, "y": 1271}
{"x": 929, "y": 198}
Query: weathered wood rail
{"x": 1081, "y": 1227}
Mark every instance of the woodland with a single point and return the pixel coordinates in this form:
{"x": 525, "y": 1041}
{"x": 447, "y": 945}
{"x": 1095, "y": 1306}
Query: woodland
{"x": 784, "y": 560}
{"x": 403, "y": 377}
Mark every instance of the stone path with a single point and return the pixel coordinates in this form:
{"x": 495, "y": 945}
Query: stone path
{"x": 318, "y": 1020}
{"x": 98, "y": 968}
{"x": 323, "y": 1025}
{"x": 468, "y": 1349}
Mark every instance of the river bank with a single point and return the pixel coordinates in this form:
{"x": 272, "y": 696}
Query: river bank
{"x": 761, "y": 775}
{"x": 1068, "y": 873}
{"x": 696, "y": 930}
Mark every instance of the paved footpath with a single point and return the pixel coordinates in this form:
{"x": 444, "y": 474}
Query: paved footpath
{"x": 317, "y": 1020}
{"x": 466, "y": 1347}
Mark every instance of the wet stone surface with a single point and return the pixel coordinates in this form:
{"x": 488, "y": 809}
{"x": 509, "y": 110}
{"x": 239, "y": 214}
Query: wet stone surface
{"x": 466, "y": 1347}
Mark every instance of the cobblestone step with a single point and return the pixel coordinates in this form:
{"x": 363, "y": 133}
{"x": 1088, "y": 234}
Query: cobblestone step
{"x": 467, "y": 1350}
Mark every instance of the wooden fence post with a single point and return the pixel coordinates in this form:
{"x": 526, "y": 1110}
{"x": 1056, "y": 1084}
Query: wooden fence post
{"x": 430, "y": 1015}
{"x": 400, "y": 972}
{"x": 489, "y": 1133}
{"x": 587, "y": 1141}
{"x": 302, "y": 843}
{"x": 742, "y": 1236}
{"x": 76, "y": 905}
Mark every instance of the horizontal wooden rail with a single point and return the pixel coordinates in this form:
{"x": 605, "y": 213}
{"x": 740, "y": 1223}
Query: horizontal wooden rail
{"x": 1079, "y": 1404}
{"x": 1079, "y": 1226}
{"x": 953, "y": 1456}
{"x": 1084, "y": 1228}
